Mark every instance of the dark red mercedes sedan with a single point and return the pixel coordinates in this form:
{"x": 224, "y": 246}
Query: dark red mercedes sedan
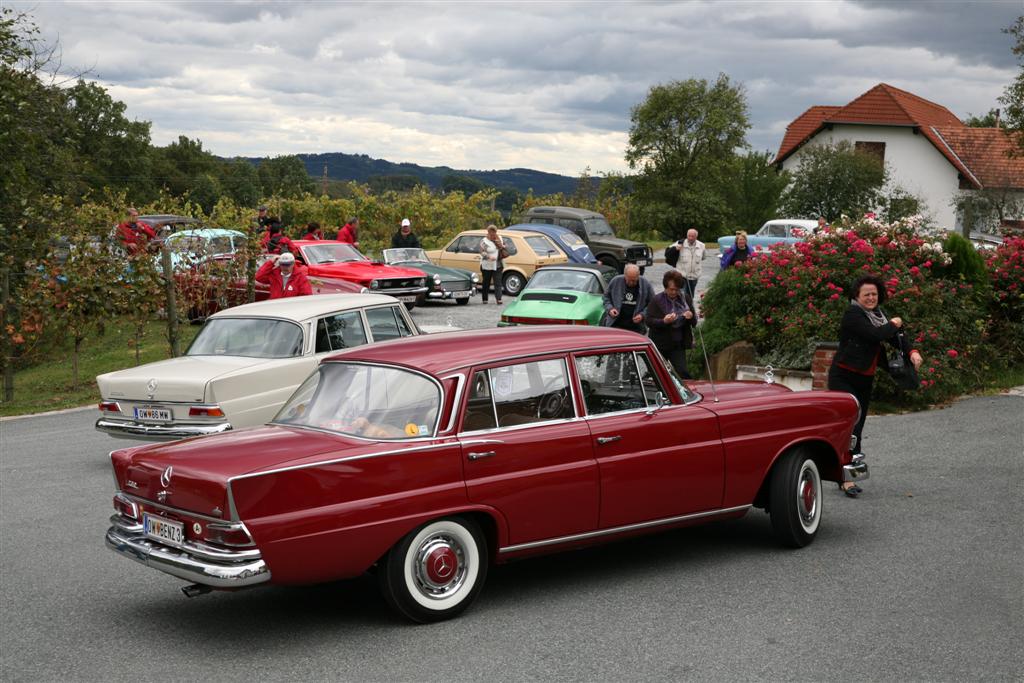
{"x": 431, "y": 458}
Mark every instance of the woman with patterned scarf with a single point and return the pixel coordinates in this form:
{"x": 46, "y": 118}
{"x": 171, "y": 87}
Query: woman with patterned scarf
{"x": 862, "y": 332}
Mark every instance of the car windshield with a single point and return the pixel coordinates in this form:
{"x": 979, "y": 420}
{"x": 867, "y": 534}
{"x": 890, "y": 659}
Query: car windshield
{"x": 574, "y": 280}
{"x": 331, "y": 253}
{"x": 542, "y": 246}
{"x": 573, "y": 240}
{"x": 369, "y": 401}
{"x": 598, "y": 227}
{"x": 405, "y": 256}
{"x": 250, "y": 337}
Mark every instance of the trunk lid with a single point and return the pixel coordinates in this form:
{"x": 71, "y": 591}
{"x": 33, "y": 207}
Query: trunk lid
{"x": 182, "y": 379}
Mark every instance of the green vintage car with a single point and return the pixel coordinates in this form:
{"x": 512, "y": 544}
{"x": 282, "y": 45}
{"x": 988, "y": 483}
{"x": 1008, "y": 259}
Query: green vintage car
{"x": 444, "y": 283}
{"x": 569, "y": 294}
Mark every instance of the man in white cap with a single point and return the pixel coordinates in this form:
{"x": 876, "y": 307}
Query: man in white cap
{"x": 284, "y": 276}
{"x": 404, "y": 239}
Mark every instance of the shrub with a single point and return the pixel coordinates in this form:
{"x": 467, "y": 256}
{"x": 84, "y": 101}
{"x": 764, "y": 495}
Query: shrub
{"x": 1005, "y": 331}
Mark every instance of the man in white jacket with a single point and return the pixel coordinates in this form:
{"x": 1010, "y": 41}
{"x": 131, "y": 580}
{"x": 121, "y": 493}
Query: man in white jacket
{"x": 686, "y": 257}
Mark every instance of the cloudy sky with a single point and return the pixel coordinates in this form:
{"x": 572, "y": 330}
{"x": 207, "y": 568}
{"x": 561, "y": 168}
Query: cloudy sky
{"x": 490, "y": 85}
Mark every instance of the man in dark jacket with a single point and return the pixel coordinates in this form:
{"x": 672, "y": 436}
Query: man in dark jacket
{"x": 274, "y": 240}
{"x": 404, "y": 239}
{"x": 625, "y": 301}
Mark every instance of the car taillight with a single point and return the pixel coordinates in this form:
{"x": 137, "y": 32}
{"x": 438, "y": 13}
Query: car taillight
{"x": 110, "y": 407}
{"x": 205, "y": 411}
{"x": 228, "y": 533}
{"x": 541, "y": 321}
{"x": 125, "y": 507}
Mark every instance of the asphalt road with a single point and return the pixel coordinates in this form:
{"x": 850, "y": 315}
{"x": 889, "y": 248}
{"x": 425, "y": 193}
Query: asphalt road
{"x": 921, "y": 578}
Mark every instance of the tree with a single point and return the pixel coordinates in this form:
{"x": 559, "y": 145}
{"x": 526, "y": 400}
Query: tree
{"x": 285, "y": 176}
{"x": 465, "y": 184}
{"x": 756, "y": 191}
{"x": 833, "y": 181}
{"x": 986, "y": 121}
{"x": 1013, "y": 96}
{"x": 682, "y": 139}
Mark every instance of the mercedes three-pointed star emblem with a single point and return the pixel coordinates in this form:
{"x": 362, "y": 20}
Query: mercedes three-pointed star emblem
{"x": 165, "y": 477}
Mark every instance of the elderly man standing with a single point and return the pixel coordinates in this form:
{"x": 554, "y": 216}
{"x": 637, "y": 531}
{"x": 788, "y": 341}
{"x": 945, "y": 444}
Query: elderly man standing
{"x": 626, "y": 299}
{"x": 687, "y": 257}
{"x": 284, "y": 277}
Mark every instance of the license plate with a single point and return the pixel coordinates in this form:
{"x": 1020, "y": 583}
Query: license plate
{"x": 461, "y": 295}
{"x": 406, "y": 299}
{"x": 152, "y": 414}
{"x": 164, "y": 530}
{"x": 643, "y": 262}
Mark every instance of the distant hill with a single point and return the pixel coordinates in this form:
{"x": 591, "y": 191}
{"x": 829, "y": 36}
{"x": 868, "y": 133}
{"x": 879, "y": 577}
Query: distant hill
{"x": 360, "y": 167}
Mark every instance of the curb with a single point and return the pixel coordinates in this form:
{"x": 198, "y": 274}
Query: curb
{"x": 12, "y": 418}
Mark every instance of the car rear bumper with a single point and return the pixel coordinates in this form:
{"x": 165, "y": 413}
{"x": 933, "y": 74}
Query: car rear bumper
{"x": 856, "y": 470}
{"x": 129, "y": 429}
{"x": 202, "y": 565}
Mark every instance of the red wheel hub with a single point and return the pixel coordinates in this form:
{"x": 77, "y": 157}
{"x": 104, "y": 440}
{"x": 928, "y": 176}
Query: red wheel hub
{"x": 441, "y": 565}
{"x": 808, "y": 495}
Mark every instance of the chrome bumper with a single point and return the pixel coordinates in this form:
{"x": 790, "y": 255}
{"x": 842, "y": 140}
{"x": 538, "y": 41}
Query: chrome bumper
{"x": 856, "y": 470}
{"x": 199, "y": 564}
{"x": 127, "y": 429}
{"x": 450, "y": 293}
{"x": 400, "y": 291}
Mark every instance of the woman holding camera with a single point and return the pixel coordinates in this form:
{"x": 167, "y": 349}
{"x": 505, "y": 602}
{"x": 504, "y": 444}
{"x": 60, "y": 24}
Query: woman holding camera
{"x": 862, "y": 332}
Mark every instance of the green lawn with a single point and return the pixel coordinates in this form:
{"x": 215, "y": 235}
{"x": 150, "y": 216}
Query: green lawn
{"x": 47, "y": 385}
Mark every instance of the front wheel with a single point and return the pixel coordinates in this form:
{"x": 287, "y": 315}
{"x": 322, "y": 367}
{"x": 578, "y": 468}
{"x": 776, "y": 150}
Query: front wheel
{"x": 513, "y": 283}
{"x": 795, "y": 504}
{"x": 436, "y": 571}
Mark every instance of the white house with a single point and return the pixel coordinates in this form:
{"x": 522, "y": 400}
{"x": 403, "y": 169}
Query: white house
{"x": 928, "y": 150}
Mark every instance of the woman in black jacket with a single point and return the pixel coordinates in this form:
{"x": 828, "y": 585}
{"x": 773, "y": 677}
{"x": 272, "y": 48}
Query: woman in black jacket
{"x": 861, "y": 335}
{"x": 669, "y": 320}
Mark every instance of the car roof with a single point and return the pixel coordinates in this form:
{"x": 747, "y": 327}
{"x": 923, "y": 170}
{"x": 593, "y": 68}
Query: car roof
{"x": 167, "y": 218}
{"x": 445, "y": 352}
{"x": 501, "y": 231}
{"x": 543, "y": 228}
{"x": 804, "y": 223}
{"x": 205, "y": 232}
{"x": 304, "y": 307}
{"x": 592, "y": 267}
{"x": 571, "y": 210}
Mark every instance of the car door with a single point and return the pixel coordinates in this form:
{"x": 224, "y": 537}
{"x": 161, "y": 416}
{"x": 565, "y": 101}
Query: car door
{"x": 654, "y": 462}
{"x": 463, "y": 253}
{"x": 524, "y": 452}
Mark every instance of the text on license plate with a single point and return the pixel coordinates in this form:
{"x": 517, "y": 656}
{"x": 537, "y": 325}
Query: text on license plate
{"x": 461, "y": 295}
{"x": 643, "y": 262}
{"x": 164, "y": 530}
{"x": 150, "y": 413}
{"x": 406, "y": 299}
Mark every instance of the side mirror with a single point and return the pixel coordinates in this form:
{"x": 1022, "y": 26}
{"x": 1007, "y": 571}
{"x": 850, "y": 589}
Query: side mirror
{"x": 659, "y": 402}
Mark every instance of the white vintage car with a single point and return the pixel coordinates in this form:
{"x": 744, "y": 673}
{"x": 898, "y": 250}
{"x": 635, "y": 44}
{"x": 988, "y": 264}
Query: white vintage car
{"x": 243, "y": 365}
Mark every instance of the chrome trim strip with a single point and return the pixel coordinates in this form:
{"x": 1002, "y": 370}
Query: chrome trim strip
{"x": 460, "y": 381}
{"x": 168, "y": 508}
{"x": 529, "y": 425}
{"x": 554, "y": 352}
{"x": 125, "y": 429}
{"x": 620, "y": 529}
{"x": 201, "y": 550}
{"x": 185, "y": 564}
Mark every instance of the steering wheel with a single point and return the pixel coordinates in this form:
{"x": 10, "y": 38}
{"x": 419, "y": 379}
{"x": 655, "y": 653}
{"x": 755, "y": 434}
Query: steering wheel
{"x": 552, "y": 401}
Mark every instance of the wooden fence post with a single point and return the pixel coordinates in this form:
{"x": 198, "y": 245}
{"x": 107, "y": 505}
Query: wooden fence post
{"x": 171, "y": 301}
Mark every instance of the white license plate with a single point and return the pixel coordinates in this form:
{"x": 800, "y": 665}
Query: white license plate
{"x": 643, "y": 262}
{"x": 153, "y": 414}
{"x": 406, "y": 299}
{"x": 461, "y": 295}
{"x": 164, "y": 530}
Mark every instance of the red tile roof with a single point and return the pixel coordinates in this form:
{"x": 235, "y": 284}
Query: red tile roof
{"x": 989, "y": 155}
{"x": 883, "y": 105}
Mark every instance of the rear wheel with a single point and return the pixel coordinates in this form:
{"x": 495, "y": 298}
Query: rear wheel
{"x": 513, "y": 283}
{"x": 795, "y": 505}
{"x": 436, "y": 571}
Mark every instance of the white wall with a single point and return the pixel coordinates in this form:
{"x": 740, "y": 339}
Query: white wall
{"x": 912, "y": 161}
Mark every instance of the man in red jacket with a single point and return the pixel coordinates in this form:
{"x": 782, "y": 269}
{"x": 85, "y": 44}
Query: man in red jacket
{"x": 349, "y": 232}
{"x": 284, "y": 277}
{"x": 135, "y": 236}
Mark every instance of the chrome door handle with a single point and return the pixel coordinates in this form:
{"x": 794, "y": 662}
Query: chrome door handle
{"x": 480, "y": 454}
{"x": 602, "y": 440}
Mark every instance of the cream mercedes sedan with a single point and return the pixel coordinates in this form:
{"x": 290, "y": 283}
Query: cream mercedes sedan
{"x": 243, "y": 365}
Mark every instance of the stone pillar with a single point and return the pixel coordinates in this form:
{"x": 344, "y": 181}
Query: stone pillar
{"x": 823, "y": 354}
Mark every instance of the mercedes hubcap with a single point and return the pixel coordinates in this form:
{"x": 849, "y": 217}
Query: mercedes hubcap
{"x": 808, "y": 497}
{"x": 440, "y": 566}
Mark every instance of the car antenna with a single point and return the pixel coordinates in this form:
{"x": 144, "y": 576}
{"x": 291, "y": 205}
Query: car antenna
{"x": 707, "y": 363}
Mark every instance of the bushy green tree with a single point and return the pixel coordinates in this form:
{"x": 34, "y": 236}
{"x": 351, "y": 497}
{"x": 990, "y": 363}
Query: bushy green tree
{"x": 1013, "y": 96}
{"x": 755, "y": 192}
{"x": 834, "y": 181}
{"x": 682, "y": 140}
{"x": 285, "y": 176}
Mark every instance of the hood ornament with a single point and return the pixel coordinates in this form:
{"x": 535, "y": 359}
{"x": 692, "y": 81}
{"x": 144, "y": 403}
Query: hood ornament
{"x": 165, "y": 477}
{"x": 151, "y": 387}
{"x": 769, "y": 376}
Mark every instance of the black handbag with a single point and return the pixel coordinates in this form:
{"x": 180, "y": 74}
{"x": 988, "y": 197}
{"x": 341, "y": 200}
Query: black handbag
{"x": 900, "y": 368}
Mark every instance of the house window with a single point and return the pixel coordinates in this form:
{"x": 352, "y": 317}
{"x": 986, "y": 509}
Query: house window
{"x": 874, "y": 149}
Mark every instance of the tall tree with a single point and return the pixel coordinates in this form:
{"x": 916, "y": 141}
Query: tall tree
{"x": 833, "y": 181}
{"x": 1013, "y": 96}
{"x": 985, "y": 121}
{"x": 682, "y": 139}
{"x": 755, "y": 192}
{"x": 285, "y": 176}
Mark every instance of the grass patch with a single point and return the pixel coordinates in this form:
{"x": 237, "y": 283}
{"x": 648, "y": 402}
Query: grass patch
{"x": 47, "y": 385}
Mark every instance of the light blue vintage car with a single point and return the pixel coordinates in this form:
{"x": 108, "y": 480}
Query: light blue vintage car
{"x": 192, "y": 247}
{"x": 778, "y": 231}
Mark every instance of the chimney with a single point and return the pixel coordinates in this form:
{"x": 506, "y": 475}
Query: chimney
{"x": 997, "y": 118}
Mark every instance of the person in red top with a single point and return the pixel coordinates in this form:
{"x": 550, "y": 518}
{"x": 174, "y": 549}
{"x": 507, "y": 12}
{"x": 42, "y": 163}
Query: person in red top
{"x": 274, "y": 240}
{"x": 135, "y": 236}
{"x": 349, "y": 232}
{"x": 313, "y": 232}
{"x": 284, "y": 277}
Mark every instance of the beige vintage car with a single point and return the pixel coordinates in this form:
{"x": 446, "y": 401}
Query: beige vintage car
{"x": 243, "y": 365}
{"x": 528, "y": 251}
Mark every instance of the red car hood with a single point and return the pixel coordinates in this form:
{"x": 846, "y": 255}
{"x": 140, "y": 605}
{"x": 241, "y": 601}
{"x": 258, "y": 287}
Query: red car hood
{"x": 201, "y": 467}
{"x": 737, "y": 390}
{"x": 364, "y": 271}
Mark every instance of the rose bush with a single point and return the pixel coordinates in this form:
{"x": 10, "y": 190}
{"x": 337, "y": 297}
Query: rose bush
{"x": 788, "y": 297}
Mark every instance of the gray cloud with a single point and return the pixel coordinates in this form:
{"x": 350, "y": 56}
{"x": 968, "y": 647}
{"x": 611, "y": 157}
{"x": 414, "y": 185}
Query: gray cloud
{"x": 542, "y": 85}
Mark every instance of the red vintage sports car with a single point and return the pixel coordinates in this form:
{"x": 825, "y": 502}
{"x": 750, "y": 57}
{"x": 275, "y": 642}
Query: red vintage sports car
{"x": 433, "y": 457}
{"x": 331, "y": 259}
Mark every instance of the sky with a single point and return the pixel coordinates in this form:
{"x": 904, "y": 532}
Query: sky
{"x": 493, "y": 85}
